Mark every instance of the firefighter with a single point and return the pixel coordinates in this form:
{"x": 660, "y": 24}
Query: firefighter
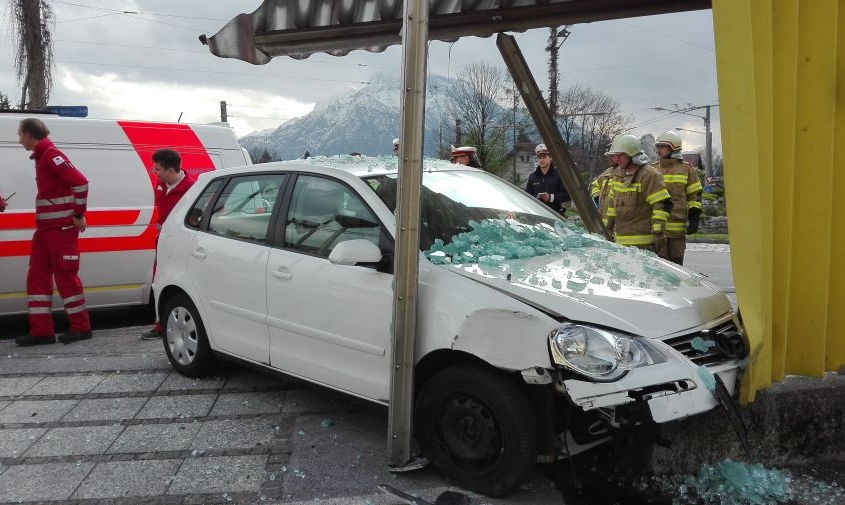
{"x": 465, "y": 155}
{"x": 60, "y": 205}
{"x": 638, "y": 203}
{"x": 685, "y": 189}
{"x": 545, "y": 183}
{"x": 599, "y": 191}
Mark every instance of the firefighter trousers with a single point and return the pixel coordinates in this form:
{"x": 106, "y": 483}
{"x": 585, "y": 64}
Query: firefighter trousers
{"x": 55, "y": 254}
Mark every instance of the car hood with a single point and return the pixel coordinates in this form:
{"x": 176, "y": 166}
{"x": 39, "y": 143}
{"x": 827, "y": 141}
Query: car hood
{"x": 595, "y": 281}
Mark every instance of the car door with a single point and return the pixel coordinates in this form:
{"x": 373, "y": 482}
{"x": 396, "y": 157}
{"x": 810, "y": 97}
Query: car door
{"x": 228, "y": 264}
{"x": 329, "y": 323}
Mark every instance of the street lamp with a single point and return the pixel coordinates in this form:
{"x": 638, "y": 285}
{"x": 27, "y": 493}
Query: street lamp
{"x": 708, "y": 142}
{"x": 693, "y": 131}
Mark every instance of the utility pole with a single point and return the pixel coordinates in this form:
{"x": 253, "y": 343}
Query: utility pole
{"x": 223, "y": 116}
{"x": 553, "y": 47}
{"x": 457, "y": 132}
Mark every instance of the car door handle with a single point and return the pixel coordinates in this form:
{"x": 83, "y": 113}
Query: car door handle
{"x": 198, "y": 254}
{"x": 282, "y": 274}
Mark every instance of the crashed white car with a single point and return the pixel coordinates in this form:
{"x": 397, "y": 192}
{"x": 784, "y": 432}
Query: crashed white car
{"x": 536, "y": 340}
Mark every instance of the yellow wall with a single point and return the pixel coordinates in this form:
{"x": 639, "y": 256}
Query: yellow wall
{"x": 781, "y": 66}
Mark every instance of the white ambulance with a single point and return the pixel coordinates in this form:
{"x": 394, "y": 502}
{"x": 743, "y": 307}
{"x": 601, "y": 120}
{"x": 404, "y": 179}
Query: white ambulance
{"x": 118, "y": 248}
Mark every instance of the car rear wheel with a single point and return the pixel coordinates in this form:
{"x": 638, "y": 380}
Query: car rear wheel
{"x": 478, "y": 428}
{"x": 185, "y": 341}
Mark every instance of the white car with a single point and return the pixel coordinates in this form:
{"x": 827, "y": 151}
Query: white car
{"x": 536, "y": 340}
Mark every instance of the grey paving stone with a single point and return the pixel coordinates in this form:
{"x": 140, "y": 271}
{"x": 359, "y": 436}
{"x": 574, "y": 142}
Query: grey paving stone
{"x": 48, "y": 481}
{"x": 130, "y": 382}
{"x": 119, "y": 479}
{"x": 176, "y": 382}
{"x": 155, "y": 437}
{"x": 75, "y": 441}
{"x": 249, "y": 403}
{"x": 312, "y": 400}
{"x": 180, "y": 406}
{"x": 246, "y": 378}
{"x": 235, "y": 434}
{"x": 229, "y": 474}
{"x": 11, "y": 386}
{"x": 65, "y": 385}
{"x": 53, "y": 364}
{"x": 105, "y": 409}
{"x": 35, "y": 411}
{"x": 14, "y": 442}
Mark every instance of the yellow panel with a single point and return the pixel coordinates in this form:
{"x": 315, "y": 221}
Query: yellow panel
{"x": 812, "y": 191}
{"x": 743, "y": 99}
{"x": 836, "y": 297}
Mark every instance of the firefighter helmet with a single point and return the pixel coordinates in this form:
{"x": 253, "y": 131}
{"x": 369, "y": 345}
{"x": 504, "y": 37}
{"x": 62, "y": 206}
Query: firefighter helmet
{"x": 670, "y": 139}
{"x": 625, "y": 144}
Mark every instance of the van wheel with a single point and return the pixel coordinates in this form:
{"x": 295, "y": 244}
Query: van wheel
{"x": 478, "y": 428}
{"x": 185, "y": 341}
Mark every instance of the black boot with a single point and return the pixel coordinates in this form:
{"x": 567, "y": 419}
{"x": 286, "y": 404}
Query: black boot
{"x": 71, "y": 336}
{"x": 28, "y": 340}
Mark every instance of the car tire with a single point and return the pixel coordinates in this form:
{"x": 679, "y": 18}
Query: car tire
{"x": 477, "y": 427}
{"x": 185, "y": 340}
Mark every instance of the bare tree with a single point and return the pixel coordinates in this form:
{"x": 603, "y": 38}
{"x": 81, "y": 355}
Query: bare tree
{"x": 4, "y": 102}
{"x": 588, "y": 121}
{"x": 475, "y": 99}
{"x": 34, "y": 53}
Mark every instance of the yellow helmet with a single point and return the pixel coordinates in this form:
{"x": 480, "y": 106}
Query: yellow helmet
{"x": 670, "y": 139}
{"x": 625, "y": 144}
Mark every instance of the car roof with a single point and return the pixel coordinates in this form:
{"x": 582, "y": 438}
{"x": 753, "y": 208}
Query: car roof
{"x": 358, "y": 166}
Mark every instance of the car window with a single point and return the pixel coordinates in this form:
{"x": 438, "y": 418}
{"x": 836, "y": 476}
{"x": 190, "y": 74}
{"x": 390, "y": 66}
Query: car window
{"x": 324, "y": 213}
{"x": 245, "y": 206}
{"x": 200, "y": 208}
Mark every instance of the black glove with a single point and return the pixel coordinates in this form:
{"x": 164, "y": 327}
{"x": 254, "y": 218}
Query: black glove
{"x": 692, "y": 226}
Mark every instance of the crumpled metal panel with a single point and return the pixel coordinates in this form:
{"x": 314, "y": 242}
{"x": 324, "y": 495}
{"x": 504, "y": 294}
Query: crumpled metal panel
{"x": 298, "y": 28}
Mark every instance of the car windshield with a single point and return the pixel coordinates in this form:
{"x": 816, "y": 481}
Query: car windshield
{"x": 473, "y": 216}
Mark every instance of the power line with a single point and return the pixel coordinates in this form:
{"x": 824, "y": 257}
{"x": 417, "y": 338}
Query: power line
{"x": 668, "y": 37}
{"x": 121, "y": 11}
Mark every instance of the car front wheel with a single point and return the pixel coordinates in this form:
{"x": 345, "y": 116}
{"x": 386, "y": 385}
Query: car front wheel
{"x": 185, "y": 341}
{"x": 478, "y": 428}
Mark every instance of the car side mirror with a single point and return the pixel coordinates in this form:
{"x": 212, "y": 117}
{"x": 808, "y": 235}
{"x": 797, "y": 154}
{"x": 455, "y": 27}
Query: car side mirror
{"x": 354, "y": 252}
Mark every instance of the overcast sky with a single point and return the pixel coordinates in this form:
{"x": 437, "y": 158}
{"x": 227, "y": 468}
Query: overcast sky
{"x": 142, "y": 60}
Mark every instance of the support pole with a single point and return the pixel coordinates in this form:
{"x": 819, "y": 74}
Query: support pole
{"x": 708, "y": 144}
{"x": 406, "y": 264}
{"x": 539, "y": 111}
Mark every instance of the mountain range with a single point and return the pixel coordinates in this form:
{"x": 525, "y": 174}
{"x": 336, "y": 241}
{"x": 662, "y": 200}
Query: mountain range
{"x": 364, "y": 121}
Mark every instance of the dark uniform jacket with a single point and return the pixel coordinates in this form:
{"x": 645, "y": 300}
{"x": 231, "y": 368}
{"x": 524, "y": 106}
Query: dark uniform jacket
{"x": 550, "y": 183}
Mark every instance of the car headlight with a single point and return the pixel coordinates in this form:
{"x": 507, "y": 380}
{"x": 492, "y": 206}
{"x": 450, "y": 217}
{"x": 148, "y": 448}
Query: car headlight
{"x": 600, "y": 354}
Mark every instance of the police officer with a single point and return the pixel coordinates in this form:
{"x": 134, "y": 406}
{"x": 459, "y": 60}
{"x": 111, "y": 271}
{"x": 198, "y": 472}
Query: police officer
{"x": 638, "y": 204}
{"x": 545, "y": 183}
{"x": 465, "y": 155}
{"x": 685, "y": 189}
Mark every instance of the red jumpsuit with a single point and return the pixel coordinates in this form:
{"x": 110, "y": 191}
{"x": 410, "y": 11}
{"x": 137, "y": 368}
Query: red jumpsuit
{"x": 62, "y": 194}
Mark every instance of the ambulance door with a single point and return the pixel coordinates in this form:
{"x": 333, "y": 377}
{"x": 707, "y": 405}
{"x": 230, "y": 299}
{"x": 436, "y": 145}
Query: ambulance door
{"x": 228, "y": 264}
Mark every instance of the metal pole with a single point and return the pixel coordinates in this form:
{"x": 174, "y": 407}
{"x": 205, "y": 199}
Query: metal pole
{"x": 708, "y": 149}
{"x": 514, "y": 135}
{"x": 406, "y": 264}
{"x": 540, "y": 113}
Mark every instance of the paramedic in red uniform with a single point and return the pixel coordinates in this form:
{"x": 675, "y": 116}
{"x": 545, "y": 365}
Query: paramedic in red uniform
{"x": 59, "y": 218}
{"x": 173, "y": 182}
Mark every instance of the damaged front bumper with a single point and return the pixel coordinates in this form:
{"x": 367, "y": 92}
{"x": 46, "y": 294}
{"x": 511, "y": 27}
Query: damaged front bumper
{"x": 682, "y": 386}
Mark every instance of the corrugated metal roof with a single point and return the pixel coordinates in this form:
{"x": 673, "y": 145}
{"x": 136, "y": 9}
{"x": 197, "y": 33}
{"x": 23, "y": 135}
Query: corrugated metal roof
{"x": 299, "y": 28}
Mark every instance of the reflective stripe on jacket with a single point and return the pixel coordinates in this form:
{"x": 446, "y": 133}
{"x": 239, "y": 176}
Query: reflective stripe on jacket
{"x": 636, "y": 205}
{"x": 684, "y": 187}
{"x": 62, "y": 189}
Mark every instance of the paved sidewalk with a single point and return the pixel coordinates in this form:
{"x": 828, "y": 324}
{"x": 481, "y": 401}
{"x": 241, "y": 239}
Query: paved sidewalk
{"x": 108, "y": 421}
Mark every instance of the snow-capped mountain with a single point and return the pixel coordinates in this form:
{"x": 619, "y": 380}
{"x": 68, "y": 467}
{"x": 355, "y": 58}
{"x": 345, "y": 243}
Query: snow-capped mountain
{"x": 365, "y": 121}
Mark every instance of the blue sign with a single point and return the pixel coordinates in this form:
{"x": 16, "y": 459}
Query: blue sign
{"x": 69, "y": 110}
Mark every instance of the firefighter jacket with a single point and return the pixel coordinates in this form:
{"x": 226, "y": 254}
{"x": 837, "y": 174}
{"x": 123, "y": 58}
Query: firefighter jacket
{"x": 550, "y": 183}
{"x": 685, "y": 189}
{"x": 167, "y": 197}
{"x": 600, "y": 190}
{"x": 62, "y": 189}
{"x": 637, "y": 206}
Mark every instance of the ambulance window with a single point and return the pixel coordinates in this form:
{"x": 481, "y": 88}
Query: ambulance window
{"x": 244, "y": 207}
{"x": 199, "y": 209}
